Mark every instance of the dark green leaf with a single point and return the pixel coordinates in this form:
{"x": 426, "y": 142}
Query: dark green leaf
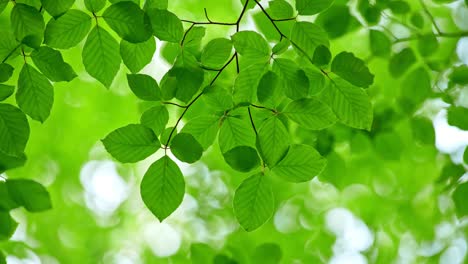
{"x": 307, "y": 36}
{"x": 6, "y": 202}
{"x": 312, "y": 7}
{"x": 155, "y": 118}
{"x": 188, "y": 82}
{"x": 35, "y": 94}
{"x": 416, "y": 86}
{"x": 6, "y": 70}
{"x": 28, "y": 24}
{"x": 352, "y": 69}
{"x": 417, "y": 20}
{"x": 51, "y": 64}
{"x": 242, "y": 158}
{"x": 336, "y": 21}
{"x": 144, "y": 87}
{"x": 6, "y": 91}
{"x": 137, "y": 55}
{"x": 131, "y": 143}
{"x": 9, "y": 47}
{"x": 280, "y": 9}
{"x": 245, "y": 86}
{"x": 216, "y": 53}
{"x": 459, "y": 75}
{"x": 95, "y": 5}
{"x": 186, "y": 148}
{"x": 68, "y": 30}
{"x": 57, "y": 7}
{"x": 399, "y": 7}
{"x": 14, "y": 130}
{"x": 166, "y": 25}
{"x": 128, "y": 21}
{"x": 457, "y": 116}
{"x": 159, "y": 4}
{"x": 380, "y": 44}
{"x": 101, "y": 56}
{"x": 29, "y": 194}
{"x": 272, "y": 141}
{"x": 294, "y": 79}
{"x": 7, "y": 227}
{"x": 465, "y": 156}
{"x": 302, "y": 163}
{"x": 427, "y": 45}
{"x": 401, "y": 62}
{"x": 203, "y": 128}
{"x": 322, "y": 56}
{"x": 267, "y": 253}
{"x": 423, "y": 130}
{"x": 163, "y": 188}
{"x": 459, "y": 197}
{"x": 269, "y": 88}
{"x": 310, "y": 113}
{"x": 8, "y": 162}
{"x": 254, "y": 202}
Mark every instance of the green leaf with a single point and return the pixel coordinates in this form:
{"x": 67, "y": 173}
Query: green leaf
{"x": 204, "y": 129}
{"x": 312, "y": 7}
{"x": 428, "y": 45}
{"x": 423, "y": 130}
{"x": 218, "y": 98}
{"x": 459, "y": 198}
{"x": 101, "y": 56}
{"x": 155, "y": 118}
{"x": 166, "y": 25}
{"x": 322, "y": 56}
{"x": 216, "y": 53}
{"x": 267, "y": 253}
{"x": 336, "y": 21}
{"x": 7, "y": 227}
{"x": 35, "y": 94}
{"x": 351, "y": 104}
{"x": 251, "y": 44}
{"x": 193, "y": 39}
{"x": 14, "y": 130}
{"x": 57, "y": 7}
{"x": 29, "y": 194}
{"x": 235, "y": 131}
{"x": 242, "y": 158}
{"x": 294, "y": 79}
{"x": 67, "y": 30}
{"x": 280, "y": 9}
{"x": 128, "y": 21}
{"x": 163, "y": 188}
{"x": 186, "y": 148}
{"x": 416, "y": 86}
{"x": 2, "y": 256}
{"x": 51, "y": 64}
{"x": 399, "y": 7}
{"x": 459, "y": 75}
{"x": 137, "y": 55}
{"x": 131, "y": 143}
{"x": 28, "y": 24}
{"x": 302, "y": 163}
{"x": 465, "y": 156}
{"x": 254, "y": 202}
{"x": 307, "y": 36}
{"x": 6, "y": 91}
{"x": 352, "y": 69}
{"x": 8, "y": 162}
{"x": 245, "y": 86}
{"x": 95, "y": 5}
{"x": 269, "y": 88}
{"x": 188, "y": 82}
{"x": 310, "y": 113}
{"x": 144, "y": 87}
{"x": 9, "y": 47}
{"x": 456, "y": 116}
{"x": 281, "y": 46}
{"x": 6, "y": 203}
{"x": 272, "y": 141}
{"x": 380, "y": 44}
{"x": 159, "y": 4}
{"x": 317, "y": 80}
{"x": 401, "y": 62}
{"x": 6, "y": 70}
{"x": 417, "y": 20}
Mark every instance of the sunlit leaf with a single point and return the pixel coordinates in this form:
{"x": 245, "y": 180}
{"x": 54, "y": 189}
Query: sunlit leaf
{"x": 28, "y": 24}
{"x": 216, "y": 53}
{"x": 155, "y": 118}
{"x": 166, "y": 25}
{"x": 307, "y": 36}
{"x": 186, "y": 148}
{"x": 67, "y": 30}
{"x": 137, "y": 55}
{"x": 312, "y": 7}
{"x": 272, "y": 141}
{"x": 204, "y": 129}
{"x": 310, "y": 113}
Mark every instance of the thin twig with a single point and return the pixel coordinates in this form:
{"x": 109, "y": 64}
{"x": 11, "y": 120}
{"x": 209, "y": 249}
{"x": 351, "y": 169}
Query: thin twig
{"x": 430, "y": 16}
{"x": 171, "y": 103}
{"x": 251, "y": 120}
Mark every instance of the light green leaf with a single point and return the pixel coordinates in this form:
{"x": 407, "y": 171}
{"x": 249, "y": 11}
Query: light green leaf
{"x": 307, "y": 36}
{"x": 242, "y": 158}
{"x": 137, "y": 55}
{"x": 193, "y": 39}
{"x": 272, "y": 141}
{"x": 310, "y": 113}
{"x": 380, "y": 44}
{"x": 57, "y": 7}
{"x": 9, "y": 47}
{"x": 312, "y": 7}
{"x": 67, "y": 30}
{"x": 302, "y": 163}
{"x": 254, "y": 202}
{"x": 294, "y": 79}
{"x": 14, "y": 130}
{"x": 251, "y": 44}
{"x": 7, "y": 228}
{"x": 51, "y": 64}
{"x": 6, "y": 70}
{"x": 245, "y": 86}
{"x": 35, "y": 94}
{"x": 101, "y": 56}
{"x": 216, "y": 53}
{"x": 218, "y": 98}
{"x": 131, "y": 143}
{"x": 401, "y": 62}
{"x": 186, "y": 148}
{"x": 352, "y": 69}
{"x": 144, "y": 87}
{"x": 28, "y": 24}
{"x": 166, "y": 25}
{"x": 457, "y": 116}
{"x": 388, "y": 145}
{"x": 416, "y": 86}
{"x": 128, "y": 21}
{"x": 163, "y": 188}
{"x": 459, "y": 75}
{"x": 95, "y": 5}
{"x": 6, "y": 91}
{"x": 317, "y": 80}
{"x": 29, "y": 194}
{"x": 459, "y": 198}
{"x": 203, "y": 128}
{"x": 236, "y": 131}
{"x": 351, "y": 104}
{"x": 280, "y": 9}
{"x": 155, "y": 118}
{"x": 281, "y": 46}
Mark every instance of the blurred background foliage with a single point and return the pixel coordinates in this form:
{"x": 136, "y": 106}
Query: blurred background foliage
{"x": 386, "y": 195}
